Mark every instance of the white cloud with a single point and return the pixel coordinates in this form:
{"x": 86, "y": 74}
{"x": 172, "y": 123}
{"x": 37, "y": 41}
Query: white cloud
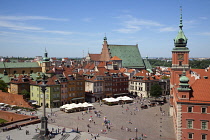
{"x": 23, "y": 27}
{"x": 17, "y": 26}
{"x": 168, "y": 29}
{"x": 58, "y": 32}
{"x": 87, "y": 19}
{"x": 126, "y": 30}
{"x": 204, "y": 18}
{"x": 131, "y": 24}
{"x": 21, "y": 18}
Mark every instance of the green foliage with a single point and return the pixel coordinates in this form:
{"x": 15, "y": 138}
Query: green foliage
{"x": 156, "y": 62}
{"x": 3, "y": 86}
{"x": 199, "y": 64}
{"x": 2, "y": 121}
{"x": 156, "y": 90}
{"x": 194, "y": 64}
{"x": 165, "y": 77}
{"x": 25, "y": 93}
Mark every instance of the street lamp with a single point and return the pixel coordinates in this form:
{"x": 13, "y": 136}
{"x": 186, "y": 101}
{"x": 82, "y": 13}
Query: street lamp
{"x": 136, "y": 133}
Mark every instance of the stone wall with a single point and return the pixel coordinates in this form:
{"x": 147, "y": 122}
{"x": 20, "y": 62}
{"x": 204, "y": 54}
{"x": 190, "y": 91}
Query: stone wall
{"x": 10, "y": 116}
{"x": 13, "y": 99}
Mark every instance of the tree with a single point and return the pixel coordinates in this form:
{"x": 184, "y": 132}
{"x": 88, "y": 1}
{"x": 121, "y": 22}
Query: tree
{"x": 156, "y": 91}
{"x": 165, "y": 77}
{"x": 3, "y": 86}
{"x": 25, "y": 93}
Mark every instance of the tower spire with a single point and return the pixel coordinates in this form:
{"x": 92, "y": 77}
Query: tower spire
{"x": 181, "y": 25}
{"x": 181, "y": 39}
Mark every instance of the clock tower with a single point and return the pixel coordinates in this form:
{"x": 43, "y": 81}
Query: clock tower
{"x": 180, "y": 56}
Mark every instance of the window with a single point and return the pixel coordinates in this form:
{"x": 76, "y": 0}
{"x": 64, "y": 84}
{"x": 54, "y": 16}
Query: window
{"x": 190, "y": 109}
{"x": 189, "y": 124}
{"x": 190, "y": 135}
{"x": 204, "y": 125}
{"x": 180, "y": 63}
{"x": 203, "y": 110}
{"x": 183, "y": 96}
{"x": 203, "y": 137}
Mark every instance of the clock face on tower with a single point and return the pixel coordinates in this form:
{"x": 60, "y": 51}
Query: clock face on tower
{"x": 180, "y": 57}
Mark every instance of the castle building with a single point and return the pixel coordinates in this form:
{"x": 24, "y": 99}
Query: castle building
{"x": 126, "y": 56}
{"x": 189, "y": 95}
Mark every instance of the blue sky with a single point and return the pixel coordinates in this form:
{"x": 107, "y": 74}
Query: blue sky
{"x": 67, "y": 28}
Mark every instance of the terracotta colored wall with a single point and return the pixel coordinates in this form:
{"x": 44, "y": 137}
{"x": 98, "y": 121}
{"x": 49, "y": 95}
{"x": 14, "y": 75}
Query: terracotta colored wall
{"x": 10, "y": 116}
{"x": 13, "y": 99}
{"x": 197, "y": 116}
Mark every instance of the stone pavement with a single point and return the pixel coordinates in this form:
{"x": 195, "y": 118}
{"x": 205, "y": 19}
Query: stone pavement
{"x": 151, "y": 122}
{"x": 16, "y": 134}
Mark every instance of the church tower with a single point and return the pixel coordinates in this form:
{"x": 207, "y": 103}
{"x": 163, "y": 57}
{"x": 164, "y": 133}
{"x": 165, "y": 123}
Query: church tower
{"x": 180, "y": 56}
{"x": 45, "y": 63}
{"x": 105, "y": 56}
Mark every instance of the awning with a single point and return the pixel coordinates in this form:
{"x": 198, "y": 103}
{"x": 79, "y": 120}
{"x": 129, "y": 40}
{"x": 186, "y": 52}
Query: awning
{"x": 120, "y": 94}
{"x": 34, "y": 103}
{"x": 55, "y": 101}
{"x": 80, "y": 98}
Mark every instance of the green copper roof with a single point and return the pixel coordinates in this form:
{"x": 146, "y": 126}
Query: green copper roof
{"x": 19, "y": 64}
{"x": 180, "y": 40}
{"x": 130, "y": 55}
{"x": 5, "y": 78}
{"x": 182, "y": 49}
{"x": 147, "y": 63}
{"x": 183, "y": 85}
{"x": 46, "y": 58}
{"x": 184, "y": 79}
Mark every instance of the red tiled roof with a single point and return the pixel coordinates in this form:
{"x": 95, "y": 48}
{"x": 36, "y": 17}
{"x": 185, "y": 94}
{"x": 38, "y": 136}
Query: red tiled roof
{"x": 142, "y": 73}
{"x": 123, "y": 70}
{"x": 131, "y": 70}
{"x": 92, "y": 66}
{"x": 102, "y": 64}
{"x": 80, "y": 72}
{"x": 202, "y": 72}
{"x": 95, "y": 57}
{"x": 50, "y": 71}
{"x": 51, "y": 80}
{"x": 201, "y": 89}
{"x": 21, "y": 79}
{"x": 115, "y": 58}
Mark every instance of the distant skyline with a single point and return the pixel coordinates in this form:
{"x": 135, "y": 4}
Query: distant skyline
{"x": 70, "y": 28}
